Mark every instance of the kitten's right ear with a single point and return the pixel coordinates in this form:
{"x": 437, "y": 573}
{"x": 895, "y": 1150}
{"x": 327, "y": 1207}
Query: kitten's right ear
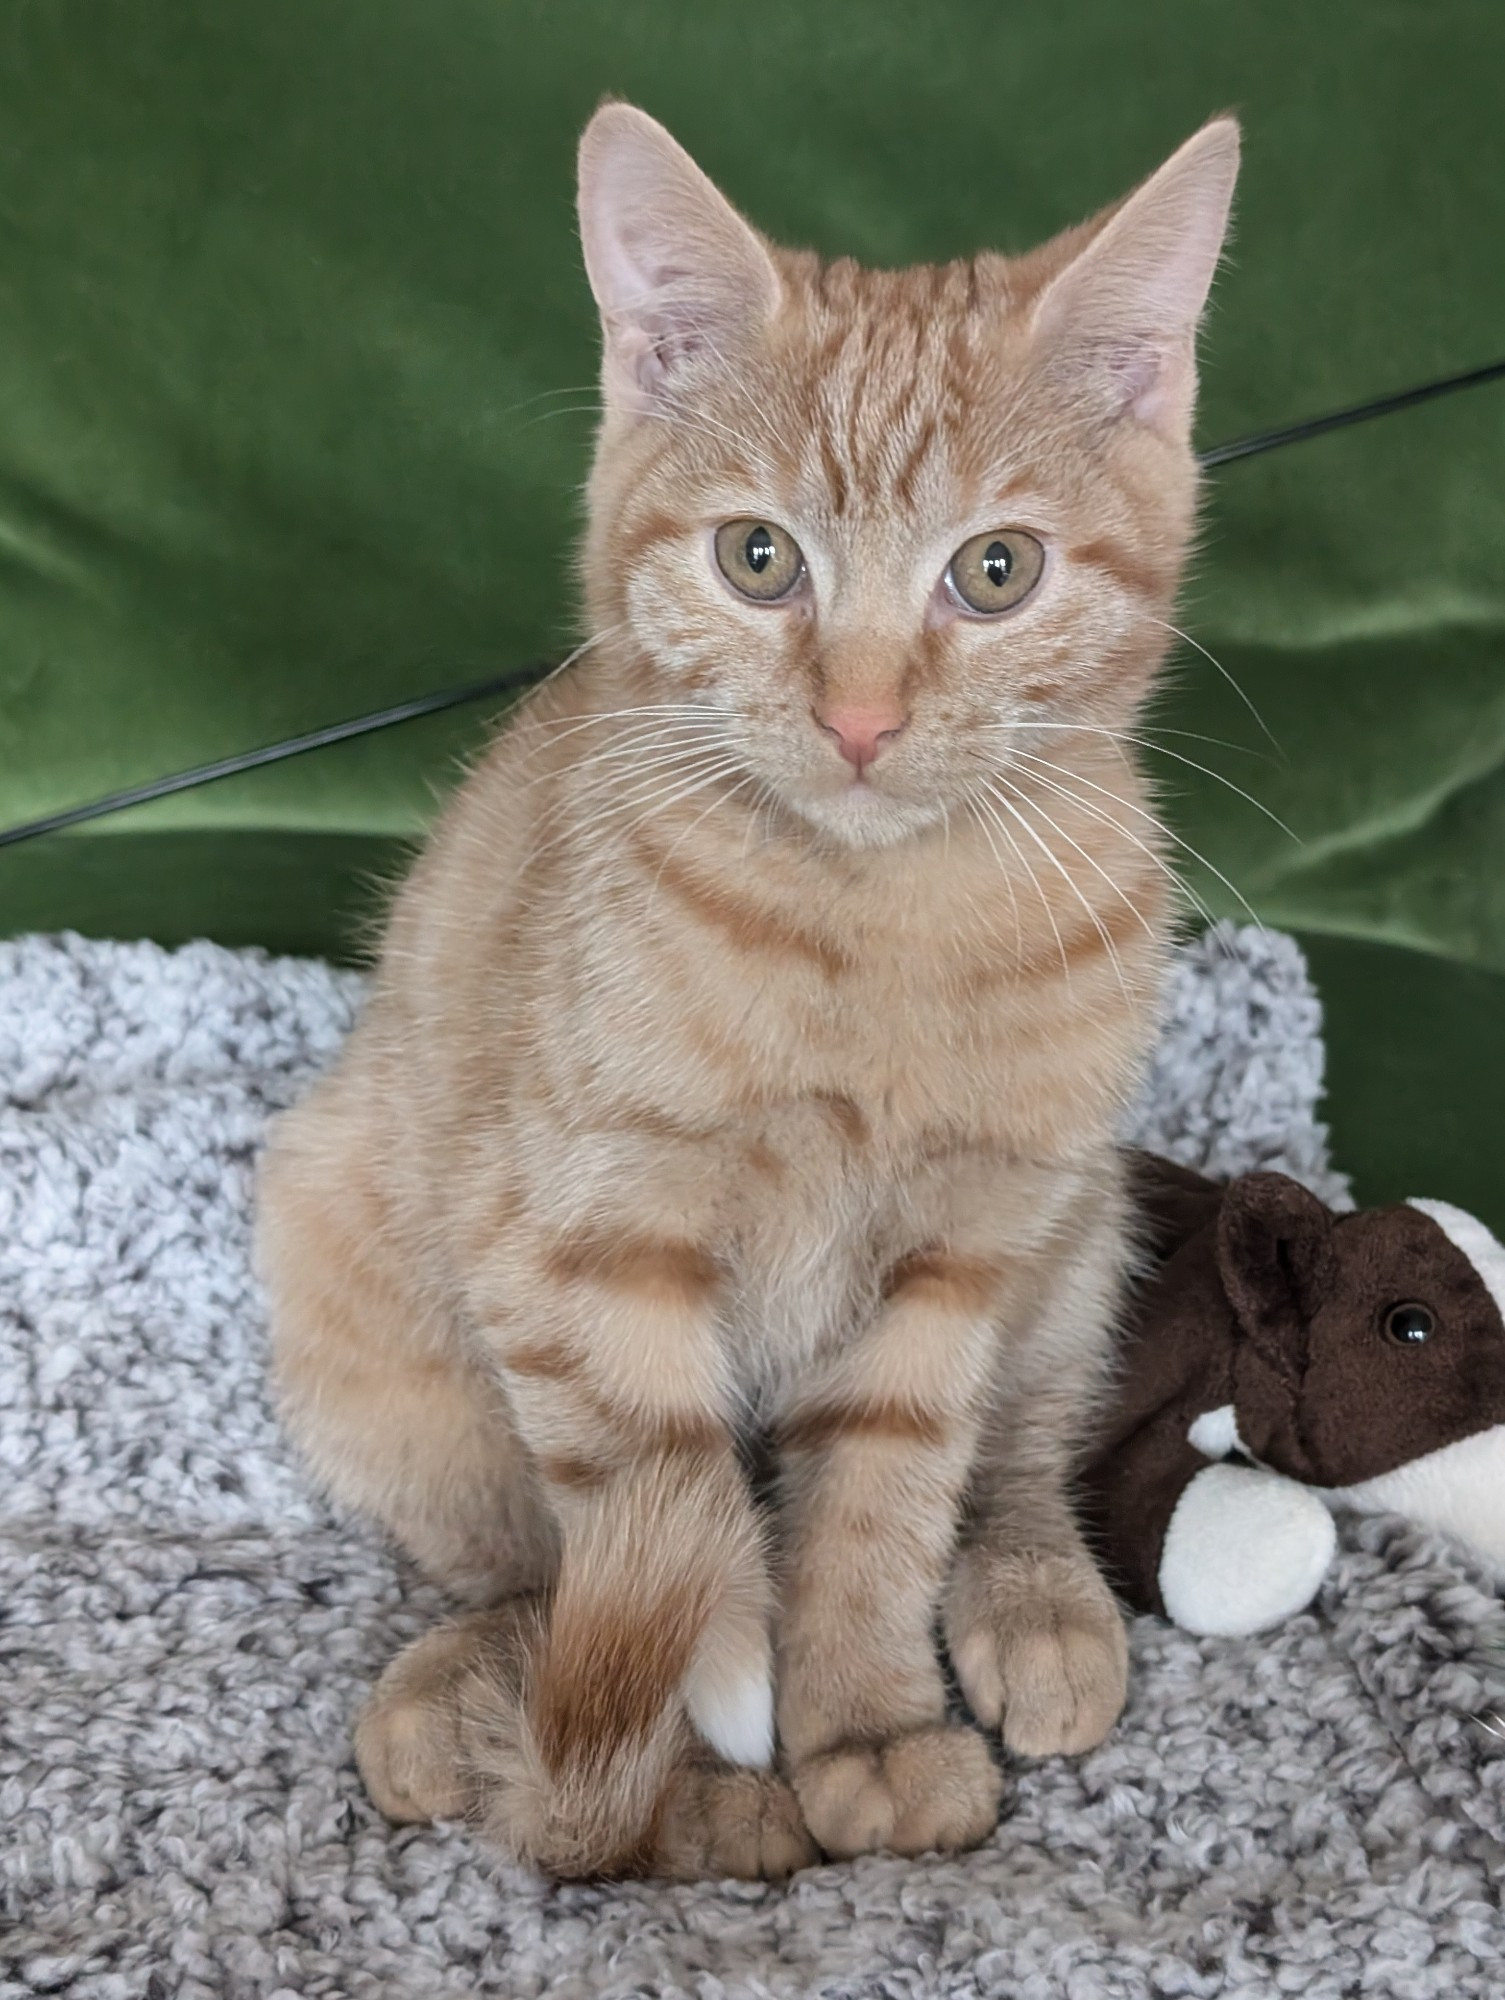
{"x": 676, "y": 271}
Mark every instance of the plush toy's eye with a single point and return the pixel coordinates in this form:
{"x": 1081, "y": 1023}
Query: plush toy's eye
{"x": 1409, "y": 1325}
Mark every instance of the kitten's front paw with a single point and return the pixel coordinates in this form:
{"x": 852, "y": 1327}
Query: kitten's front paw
{"x": 720, "y": 1819}
{"x": 935, "y": 1788}
{"x": 1040, "y": 1649}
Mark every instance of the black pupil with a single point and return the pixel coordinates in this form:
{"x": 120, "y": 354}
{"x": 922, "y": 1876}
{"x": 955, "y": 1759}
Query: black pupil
{"x": 759, "y": 550}
{"x": 1409, "y": 1324}
{"x": 996, "y": 564}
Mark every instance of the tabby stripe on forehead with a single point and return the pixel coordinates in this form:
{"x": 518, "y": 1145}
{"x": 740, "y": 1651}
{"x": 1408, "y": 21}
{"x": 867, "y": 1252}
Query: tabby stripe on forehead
{"x": 904, "y": 483}
{"x": 747, "y": 926}
{"x": 836, "y": 479}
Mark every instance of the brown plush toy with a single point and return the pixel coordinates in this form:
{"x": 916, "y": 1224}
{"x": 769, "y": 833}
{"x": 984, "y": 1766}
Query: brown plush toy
{"x": 1281, "y": 1360}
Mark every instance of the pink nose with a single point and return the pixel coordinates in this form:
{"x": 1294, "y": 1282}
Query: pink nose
{"x": 860, "y": 732}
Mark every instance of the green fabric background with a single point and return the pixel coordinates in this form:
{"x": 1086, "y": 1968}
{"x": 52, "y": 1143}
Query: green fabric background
{"x": 294, "y": 386}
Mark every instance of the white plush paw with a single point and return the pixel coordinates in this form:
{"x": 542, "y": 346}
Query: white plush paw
{"x": 1245, "y": 1549}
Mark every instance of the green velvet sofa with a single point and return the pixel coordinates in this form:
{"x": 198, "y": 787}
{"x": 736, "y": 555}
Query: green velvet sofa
{"x": 295, "y": 367}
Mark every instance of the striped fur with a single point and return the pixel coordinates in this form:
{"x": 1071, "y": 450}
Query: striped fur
{"x": 707, "y": 1086}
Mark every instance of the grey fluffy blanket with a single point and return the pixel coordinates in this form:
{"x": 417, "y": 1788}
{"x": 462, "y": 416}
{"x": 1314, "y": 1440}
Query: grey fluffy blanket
{"x": 185, "y": 1631}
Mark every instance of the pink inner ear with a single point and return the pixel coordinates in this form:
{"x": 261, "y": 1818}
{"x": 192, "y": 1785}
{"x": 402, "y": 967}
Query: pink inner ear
{"x": 668, "y": 329}
{"x": 1137, "y": 370}
{"x": 1121, "y": 315}
{"x": 674, "y": 268}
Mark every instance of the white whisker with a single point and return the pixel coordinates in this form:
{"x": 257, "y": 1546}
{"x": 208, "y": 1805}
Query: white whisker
{"x": 568, "y": 723}
{"x": 1106, "y": 818}
{"x": 612, "y": 779}
{"x": 1148, "y": 743}
{"x": 1008, "y": 881}
{"x": 606, "y": 798}
{"x": 646, "y": 734}
{"x": 1091, "y": 861}
{"x": 662, "y": 800}
{"x": 1068, "y": 878}
{"x": 1019, "y": 855}
{"x": 685, "y": 831}
{"x": 1169, "y": 833}
{"x": 1199, "y": 647}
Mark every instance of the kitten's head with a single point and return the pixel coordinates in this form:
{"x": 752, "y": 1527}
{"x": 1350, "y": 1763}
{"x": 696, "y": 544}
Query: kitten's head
{"x": 882, "y": 525}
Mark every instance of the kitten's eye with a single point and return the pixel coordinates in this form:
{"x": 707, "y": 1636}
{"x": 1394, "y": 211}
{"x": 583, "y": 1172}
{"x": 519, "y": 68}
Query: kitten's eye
{"x": 996, "y": 571}
{"x": 759, "y": 561}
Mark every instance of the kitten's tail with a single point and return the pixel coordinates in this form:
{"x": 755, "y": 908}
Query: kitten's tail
{"x": 658, "y": 1624}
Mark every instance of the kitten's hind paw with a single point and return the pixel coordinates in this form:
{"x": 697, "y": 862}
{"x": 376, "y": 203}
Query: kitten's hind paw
{"x": 409, "y": 1741}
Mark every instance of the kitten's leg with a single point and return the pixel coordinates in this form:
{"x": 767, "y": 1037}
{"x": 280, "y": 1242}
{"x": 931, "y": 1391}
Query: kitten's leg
{"x": 396, "y": 1417}
{"x": 1036, "y": 1638}
{"x": 875, "y": 1456}
{"x": 613, "y": 1363}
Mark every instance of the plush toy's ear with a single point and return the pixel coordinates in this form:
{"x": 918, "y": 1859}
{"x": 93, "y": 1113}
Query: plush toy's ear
{"x": 1275, "y": 1258}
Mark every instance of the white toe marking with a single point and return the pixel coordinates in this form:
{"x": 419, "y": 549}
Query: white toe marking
{"x": 733, "y": 1712}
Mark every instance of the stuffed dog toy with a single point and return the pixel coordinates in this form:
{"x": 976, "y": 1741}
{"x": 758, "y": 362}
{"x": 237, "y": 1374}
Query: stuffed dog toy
{"x": 1280, "y": 1360}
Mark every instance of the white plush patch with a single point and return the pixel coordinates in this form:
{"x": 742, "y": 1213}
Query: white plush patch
{"x": 1459, "y": 1488}
{"x": 1215, "y": 1433}
{"x": 733, "y": 1710}
{"x": 1245, "y": 1549}
{"x": 1484, "y": 1251}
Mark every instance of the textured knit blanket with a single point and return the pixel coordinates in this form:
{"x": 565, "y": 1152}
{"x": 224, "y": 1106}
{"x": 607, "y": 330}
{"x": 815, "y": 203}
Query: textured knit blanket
{"x": 186, "y": 1631}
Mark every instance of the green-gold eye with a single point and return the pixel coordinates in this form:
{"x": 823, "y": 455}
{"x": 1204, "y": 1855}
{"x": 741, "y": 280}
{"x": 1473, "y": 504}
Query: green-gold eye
{"x": 758, "y": 560}
{"x": 996, "y": 571}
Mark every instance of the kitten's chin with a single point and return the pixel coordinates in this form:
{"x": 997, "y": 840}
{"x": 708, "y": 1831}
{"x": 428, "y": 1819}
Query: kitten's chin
{"x": 861, "y": 817}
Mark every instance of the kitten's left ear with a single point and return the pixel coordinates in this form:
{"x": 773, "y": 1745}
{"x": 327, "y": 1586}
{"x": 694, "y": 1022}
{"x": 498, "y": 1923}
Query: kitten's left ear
{"x": 677, "y": 273}
{"x": 1119, "y": 321}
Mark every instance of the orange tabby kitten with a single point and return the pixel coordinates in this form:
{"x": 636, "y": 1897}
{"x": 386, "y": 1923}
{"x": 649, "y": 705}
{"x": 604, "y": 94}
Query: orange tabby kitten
{"x": 746, "y": 1052}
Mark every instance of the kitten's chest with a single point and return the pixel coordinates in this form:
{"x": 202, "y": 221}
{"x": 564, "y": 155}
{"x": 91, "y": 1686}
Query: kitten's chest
{"x": 825, "y": 1213}
{"x": 918, "y": 1003}
{"x": 811, "y": 1224}
{"x": 913, "y": 1057}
